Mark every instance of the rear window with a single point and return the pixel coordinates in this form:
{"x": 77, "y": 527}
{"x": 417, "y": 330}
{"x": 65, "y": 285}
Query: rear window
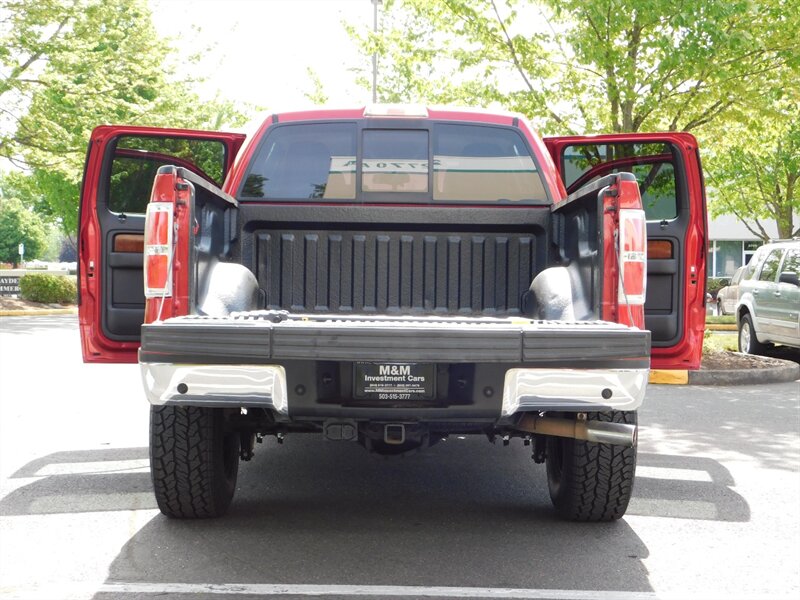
{"x": 394, "y": 161}
{"x": 310, "y": 161}
{"x": 471, "y": 163}
{"x": 483, "y": 164}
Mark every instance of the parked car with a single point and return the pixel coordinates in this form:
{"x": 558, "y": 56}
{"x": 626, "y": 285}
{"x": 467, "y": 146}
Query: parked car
{"x": 768, "y": 310}
{"x": 728, "y": 296}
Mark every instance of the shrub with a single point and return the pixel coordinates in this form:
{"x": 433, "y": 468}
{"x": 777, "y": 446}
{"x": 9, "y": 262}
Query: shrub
{"x": 715, "y": 284}
{"x": 40, "y": 287}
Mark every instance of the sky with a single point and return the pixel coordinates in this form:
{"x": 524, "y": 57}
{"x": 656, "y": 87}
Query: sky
{"x": 259, "y": 50}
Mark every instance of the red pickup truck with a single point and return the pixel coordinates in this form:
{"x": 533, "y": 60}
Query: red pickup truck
{"x": 391, "y": 276}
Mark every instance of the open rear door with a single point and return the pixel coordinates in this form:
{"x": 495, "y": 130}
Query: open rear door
{"x": 667, "y": 167}
{"x": 121, "y": 164}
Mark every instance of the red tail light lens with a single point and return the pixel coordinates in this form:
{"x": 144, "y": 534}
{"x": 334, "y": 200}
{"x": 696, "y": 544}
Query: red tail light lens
{"x": 633, "y": 256}
{"x": 158, "y": 250}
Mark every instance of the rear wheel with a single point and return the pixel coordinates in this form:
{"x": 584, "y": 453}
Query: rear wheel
{"x": 590, "y": 481}
{"x": 748, "y": 342}
{"x": 194, "y": 462}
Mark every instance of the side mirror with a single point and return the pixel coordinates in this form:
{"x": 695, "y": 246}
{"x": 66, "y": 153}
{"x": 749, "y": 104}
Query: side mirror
{"x": 789, "y": 277}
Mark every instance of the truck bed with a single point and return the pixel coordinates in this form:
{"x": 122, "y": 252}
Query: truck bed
{"x": 398, "y": 260}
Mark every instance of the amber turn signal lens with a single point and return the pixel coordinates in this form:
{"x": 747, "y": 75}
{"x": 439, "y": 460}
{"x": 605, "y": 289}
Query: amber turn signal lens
{"x": 659, "y": 249}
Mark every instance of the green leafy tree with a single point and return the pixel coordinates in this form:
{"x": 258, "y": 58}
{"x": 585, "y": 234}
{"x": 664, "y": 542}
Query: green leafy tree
{"x": 757, "y": 176}
{"x": 577, "y": 66}
{"x": 76, "y": 64}
{"x": 317, "y": 94}
{"x": 19, "y": 225}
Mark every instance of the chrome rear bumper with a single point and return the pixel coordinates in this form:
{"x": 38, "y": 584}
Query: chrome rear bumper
{"x": 265, "y": 386}
{"x": 216, "y": 385}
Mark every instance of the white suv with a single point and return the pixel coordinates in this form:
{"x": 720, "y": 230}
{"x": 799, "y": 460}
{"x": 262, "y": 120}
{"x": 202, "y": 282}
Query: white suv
{"x": 768, "y": 310}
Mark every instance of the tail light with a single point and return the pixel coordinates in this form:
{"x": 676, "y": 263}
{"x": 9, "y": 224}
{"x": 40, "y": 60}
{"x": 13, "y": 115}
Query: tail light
{"x": 632, "y": 259}
{"x": 158, "y": 250}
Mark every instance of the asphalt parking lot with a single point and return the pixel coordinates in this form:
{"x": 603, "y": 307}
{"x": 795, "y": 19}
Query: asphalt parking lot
{"x": 714, "y": 513}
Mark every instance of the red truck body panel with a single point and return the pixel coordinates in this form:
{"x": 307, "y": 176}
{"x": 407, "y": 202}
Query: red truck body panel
{"x": 686, "y": 352}
{"x": 96, "y": 345}
{"x": 100, "y": 347}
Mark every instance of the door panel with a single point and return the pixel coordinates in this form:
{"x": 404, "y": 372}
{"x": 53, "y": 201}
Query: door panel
{"x": 767, "y": 305}
{"x": 667, "y": 167}
{"x": 788, "y": 295}
{"x": 120, "y": 168}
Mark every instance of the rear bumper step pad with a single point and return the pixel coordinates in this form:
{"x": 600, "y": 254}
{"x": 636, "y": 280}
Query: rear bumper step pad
{"x": 267, "y": 337}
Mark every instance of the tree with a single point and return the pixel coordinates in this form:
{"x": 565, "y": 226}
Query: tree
{"x": 317, "y": 94}
{"x": 76, "y": 64}
{"x": 576, "y": 66}
{"x": 18, "y": 225}
{"x": 758, "y": 176}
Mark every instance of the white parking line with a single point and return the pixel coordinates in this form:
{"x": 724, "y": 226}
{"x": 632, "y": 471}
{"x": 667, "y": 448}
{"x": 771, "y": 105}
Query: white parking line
{"x": 264, "y": 590}
{"x": 103, "y": 467}
{"x": 380, "y": 591}
{"x": 86, "y": 591}
{"x": 671, "y": 473}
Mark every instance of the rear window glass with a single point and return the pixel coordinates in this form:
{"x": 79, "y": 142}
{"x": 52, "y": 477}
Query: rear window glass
{"x": 334, "y": 161}
{"x": 314, "y": 161}
{"x": 651, "y": 164}
{"x": 395, "y": 161}
{"x": 483, "y": 164}
{"x": 138, "y": 158}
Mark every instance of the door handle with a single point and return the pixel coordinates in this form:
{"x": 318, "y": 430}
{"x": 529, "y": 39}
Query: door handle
{"x": 777, "y": 294}
{"x": 755, "y": 292}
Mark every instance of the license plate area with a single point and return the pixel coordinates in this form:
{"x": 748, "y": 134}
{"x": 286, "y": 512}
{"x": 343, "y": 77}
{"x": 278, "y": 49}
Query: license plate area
{"x": 394, "y": 381}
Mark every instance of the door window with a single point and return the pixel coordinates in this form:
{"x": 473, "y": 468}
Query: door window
{"x": 791, "y": 263}
{"x": 769, "y": 271}
{"x": 138, "y": 158}
{"x": 651, "y": 164}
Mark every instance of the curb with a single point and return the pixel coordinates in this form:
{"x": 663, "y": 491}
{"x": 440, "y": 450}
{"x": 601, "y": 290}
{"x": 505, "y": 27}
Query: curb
{"x": 669, "y": 377}
{"x": 783, "y": 373}
{"x": 721, "y": 327}
{"x": 29, "y": 312}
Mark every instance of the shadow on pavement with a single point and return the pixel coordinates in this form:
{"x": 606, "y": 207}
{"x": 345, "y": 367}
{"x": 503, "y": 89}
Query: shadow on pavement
{"x": 463, "y": 513}
{"x": 83, "y": 481}
{"x": 686, "y": 487}
{"x": 757, "y": 423}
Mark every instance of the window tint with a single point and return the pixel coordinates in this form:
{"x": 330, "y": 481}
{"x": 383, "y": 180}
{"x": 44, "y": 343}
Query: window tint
{"x": 754, "y": 262}
{"x": 651, "y": 164}
{"x": 315, "y": 160}
{"x": 791, "y": 263}
{"x": 770, "y": 269}
{"x": 137, "y": 159}
{"x": 483, "y": 164}
{"x": 395, "y": 161}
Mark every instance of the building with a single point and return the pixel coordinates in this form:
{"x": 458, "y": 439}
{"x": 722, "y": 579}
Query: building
{"x": 732, "y": 245}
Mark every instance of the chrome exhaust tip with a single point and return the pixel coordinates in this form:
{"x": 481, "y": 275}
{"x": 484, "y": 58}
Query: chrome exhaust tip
{"x": 601, "y": 432}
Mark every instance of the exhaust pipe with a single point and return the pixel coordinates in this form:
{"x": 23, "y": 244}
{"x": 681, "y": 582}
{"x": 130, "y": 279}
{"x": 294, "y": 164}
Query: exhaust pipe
{"x": 601, "y": 432}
